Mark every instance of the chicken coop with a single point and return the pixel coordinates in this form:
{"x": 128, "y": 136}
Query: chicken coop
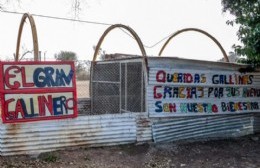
{"x": 133, "y": 99}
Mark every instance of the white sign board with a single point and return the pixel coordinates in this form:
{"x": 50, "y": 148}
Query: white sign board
{"x": 33, "y": 91}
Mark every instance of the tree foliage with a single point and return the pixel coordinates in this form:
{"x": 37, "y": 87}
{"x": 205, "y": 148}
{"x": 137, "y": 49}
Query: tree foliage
{"x": 82, "y": 67}
{"x": 247, "y": 16}
{"x": 66, "y": 56}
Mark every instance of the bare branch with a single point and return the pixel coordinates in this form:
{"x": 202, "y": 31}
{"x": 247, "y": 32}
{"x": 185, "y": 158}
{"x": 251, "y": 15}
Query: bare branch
{"x": 77, "y": 7}
{"x": 4, "y": 3}
{"x": 27, "y": 52}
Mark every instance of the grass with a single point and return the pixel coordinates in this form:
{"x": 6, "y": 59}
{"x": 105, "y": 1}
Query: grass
{"x": 48, "y": 157}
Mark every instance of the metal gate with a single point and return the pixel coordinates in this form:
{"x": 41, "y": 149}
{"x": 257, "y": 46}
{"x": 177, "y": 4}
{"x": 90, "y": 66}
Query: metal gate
{"x": 117, "y": 87}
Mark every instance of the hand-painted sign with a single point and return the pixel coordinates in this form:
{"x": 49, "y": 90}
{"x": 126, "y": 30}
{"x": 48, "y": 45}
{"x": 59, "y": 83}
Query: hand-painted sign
{"x": 182, "y": 92}
{"x": 37, "y": 91}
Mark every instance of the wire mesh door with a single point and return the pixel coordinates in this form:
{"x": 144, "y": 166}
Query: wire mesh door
{"x": 117, "y": 87}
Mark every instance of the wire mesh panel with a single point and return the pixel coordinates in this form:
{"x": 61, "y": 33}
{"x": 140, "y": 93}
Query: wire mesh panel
{"x": 106, "y": 98}
{"x": 106, "y": 88}
{"x": 123, "y": 87}
{"x": 106, "y": 72}
{"x": 134, "y": 86}
{"x": 117, "y": 87}
{"x": 82, "y": 68}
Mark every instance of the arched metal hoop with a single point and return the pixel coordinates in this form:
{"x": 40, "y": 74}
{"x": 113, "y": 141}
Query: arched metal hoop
{"x": 200, "y": 31}
{"x": 136, "y": 37}
{"x": 134, "y": 34}
{"x": 34, "y": 36}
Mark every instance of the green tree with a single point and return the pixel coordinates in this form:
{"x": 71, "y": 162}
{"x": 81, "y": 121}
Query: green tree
{"x": 82, "y": 67}
{"x": 66, "y": 56}
{"x": 247, "y": 16}
{"x": 83, "y": 70}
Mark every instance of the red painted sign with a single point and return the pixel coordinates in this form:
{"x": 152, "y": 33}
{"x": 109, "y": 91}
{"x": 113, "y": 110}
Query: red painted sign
{"x": 32, "y": 91}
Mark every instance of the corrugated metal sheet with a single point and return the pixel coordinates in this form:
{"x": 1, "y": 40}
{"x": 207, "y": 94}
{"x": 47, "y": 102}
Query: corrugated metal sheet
{"x": 222, "y": 126}
{"x": 36, "y": 137}
{"x": 256, "y": 123}
{"x": 182, "y": 87}
{"x": 144, "y": 131}
{"x": 175, "y": 62}
{"x": 168, "y": 99}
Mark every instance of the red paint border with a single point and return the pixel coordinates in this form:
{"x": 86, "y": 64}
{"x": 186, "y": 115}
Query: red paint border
{"x": 72, "y": 89}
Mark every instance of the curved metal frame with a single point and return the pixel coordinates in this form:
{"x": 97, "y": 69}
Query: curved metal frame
{"x": 200, "y": 31}
{"x": 34, "y": 36}
{"x": 136, "y": 37}
{"x": 134, "y": 34}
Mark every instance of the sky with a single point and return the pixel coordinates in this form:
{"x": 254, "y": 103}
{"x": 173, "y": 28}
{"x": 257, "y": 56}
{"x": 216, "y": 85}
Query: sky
{"x": 152, "y": 20}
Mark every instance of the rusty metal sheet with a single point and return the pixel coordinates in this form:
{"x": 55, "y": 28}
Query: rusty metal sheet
{"x": 37, "y": 137}
{"x": 188, "y": 128}
{"x": 143, "y": 130}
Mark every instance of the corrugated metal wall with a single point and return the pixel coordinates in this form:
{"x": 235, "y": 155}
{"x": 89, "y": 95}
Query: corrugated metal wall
{"x": 144, "y": 131}
{"x": 202, "y": 127}
{"x": 115, "y": 129}
{"x": 256, "y": 123}
{"x": 42, "y": 136}
{"x": 167, "y": 126}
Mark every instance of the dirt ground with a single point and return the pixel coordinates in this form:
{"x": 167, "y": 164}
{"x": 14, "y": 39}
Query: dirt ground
{"x": 241, "y": 152}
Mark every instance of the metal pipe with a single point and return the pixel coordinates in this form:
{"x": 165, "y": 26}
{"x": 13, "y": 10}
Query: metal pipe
{"x": 34, "y": 36}
{"x": 200, "y": 31}
{"x": 134, "y": 34}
